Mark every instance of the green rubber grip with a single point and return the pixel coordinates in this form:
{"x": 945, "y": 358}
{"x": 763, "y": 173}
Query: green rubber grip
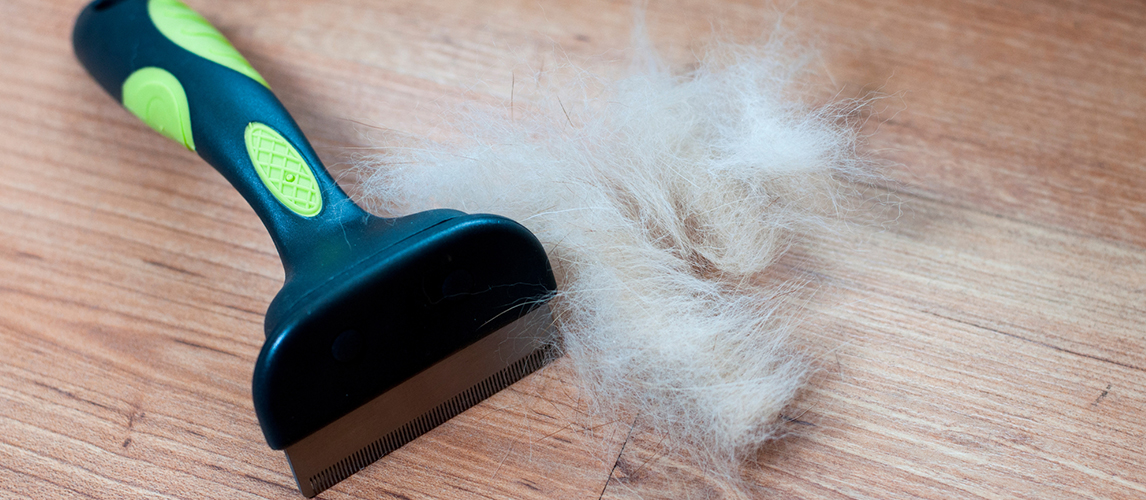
{"x": 171, "y": 68}
{"x": 189, "y": 30}
{"x": 157, "y": 98}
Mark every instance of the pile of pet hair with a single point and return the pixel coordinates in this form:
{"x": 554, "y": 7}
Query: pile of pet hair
{"x": 662, "y": 199}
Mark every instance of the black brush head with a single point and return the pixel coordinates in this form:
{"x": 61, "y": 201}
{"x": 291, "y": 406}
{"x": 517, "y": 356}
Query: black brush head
{"x": 360, "y": 322}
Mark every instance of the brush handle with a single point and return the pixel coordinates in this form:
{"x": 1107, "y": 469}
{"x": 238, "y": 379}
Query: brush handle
{"x": 172, "y": 69}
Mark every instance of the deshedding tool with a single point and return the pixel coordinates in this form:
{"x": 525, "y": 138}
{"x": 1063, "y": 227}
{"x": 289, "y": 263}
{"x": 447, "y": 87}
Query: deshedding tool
{"x": 384, "y": 328}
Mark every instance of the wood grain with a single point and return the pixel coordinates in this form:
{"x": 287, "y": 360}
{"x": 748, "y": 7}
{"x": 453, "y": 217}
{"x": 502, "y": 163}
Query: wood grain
{"x": 988, "y": 344}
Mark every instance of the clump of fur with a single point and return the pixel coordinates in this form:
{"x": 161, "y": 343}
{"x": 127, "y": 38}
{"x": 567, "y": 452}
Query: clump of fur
{"x": 662, "y": 199}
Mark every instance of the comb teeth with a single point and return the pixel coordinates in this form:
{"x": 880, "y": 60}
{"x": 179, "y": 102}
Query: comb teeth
{"x": 422, "y": 402}
{"x": 431, "y": 419}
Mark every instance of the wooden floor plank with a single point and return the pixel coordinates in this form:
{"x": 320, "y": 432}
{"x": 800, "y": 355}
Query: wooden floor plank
{"x": 987, "y": 343}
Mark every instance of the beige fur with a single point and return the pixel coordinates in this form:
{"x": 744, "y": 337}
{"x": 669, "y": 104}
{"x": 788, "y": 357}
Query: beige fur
{"x": 662, "y": 200}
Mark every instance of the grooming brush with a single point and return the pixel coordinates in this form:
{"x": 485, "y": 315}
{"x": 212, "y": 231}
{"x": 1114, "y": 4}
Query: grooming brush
{"x": 384, "y": 327}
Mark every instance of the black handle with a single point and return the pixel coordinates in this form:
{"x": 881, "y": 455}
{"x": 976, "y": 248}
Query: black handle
{"x": 175, "y": 71}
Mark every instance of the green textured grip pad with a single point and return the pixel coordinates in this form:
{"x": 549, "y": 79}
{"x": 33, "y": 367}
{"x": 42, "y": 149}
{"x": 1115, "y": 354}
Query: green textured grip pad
{"x": 282, "y": 170}
{"x": 157, "y": 98}
{"x": 189, "y": 30}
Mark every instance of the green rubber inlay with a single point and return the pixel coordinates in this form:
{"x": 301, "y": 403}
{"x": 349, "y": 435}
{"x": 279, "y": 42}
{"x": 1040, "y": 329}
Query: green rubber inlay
{"x": 282, "y": 170}
{"x": 189, "y": 30}
{"x": 157, "y": 98}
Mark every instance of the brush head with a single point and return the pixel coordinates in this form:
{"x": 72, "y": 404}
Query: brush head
{"x": 393, "y": 299}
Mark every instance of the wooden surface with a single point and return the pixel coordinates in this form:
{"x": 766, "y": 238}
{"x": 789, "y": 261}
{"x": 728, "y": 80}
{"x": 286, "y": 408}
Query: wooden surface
{"x": 989, "y": 344}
